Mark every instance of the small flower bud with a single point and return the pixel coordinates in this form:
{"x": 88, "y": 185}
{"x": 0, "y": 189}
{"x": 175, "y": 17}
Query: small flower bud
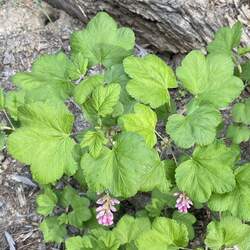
{"x": 183, "y": 202}
{"x": 105, "y": 210}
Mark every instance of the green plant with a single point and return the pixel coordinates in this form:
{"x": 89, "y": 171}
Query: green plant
{"x": 125, "y": 99}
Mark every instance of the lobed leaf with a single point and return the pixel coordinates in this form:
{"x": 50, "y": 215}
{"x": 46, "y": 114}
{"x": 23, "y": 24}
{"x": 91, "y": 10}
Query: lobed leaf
{"x": 117, "y": 74}
{"x": 77, "y": 205}
{"x": 52, "y": 230}
{"x": 94, "y": 140}
{"x": 226, "y": 39}
{"x": 165, "y": 234}
{"x": 102, "y": 239}
{"x": 14, "y": 100}
{"x": 46, "y": 202}
{"x": 197, "y": 127}
{"x": 49, "y": 78}
{"x": 238, "y": 133}
{"x": 105, "y": 98}
{"x": 230, "y": 232}
{"x": 77, "y": 66}
{"x": 241, "y": 112}
{"x": 128, "y": 229}
{"x": 209, "y": 170}
{"x": 210, "y": 79}
{"x": 188, "y": 220}
{"x": 142, "y": 121}
{"x": 85, "y": 88}
{"x": 237, "y": 201}
{"x": 80, "y": 213}
{"x": 124, "y": 169}
{"x": 158, "y": 202}
{"x": 78, "y": 243}
{"x": 44, "y": 141}
{"x": 151, "y": 79}
{"x": 101, "y": 42}
{"x": 245, "y": 74}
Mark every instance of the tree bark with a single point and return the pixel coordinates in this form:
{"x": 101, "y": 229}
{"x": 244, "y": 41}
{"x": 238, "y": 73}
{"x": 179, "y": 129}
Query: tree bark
{"x": 176, "y": 26}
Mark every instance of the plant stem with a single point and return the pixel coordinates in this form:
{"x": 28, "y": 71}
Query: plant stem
{"x": 220, "y": 215}
{"x": 167, "y": 142}
{"x": 237, "y": 64}
{"x": 172, "y": 153}
{"x": 8, "y": 119}
{"x": 243, "y": 50}
{"x": 164, "y": 139}
{"x": 76, "y": 133}
{"x": 6, "y": 128}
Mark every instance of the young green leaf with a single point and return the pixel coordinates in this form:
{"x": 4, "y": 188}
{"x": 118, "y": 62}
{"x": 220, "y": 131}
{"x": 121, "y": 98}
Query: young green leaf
{"x": 117, "y": 74}
{"x": 49, "y": 79}
{"x": 44, "y": 142}
{"x": 94, "y": 140}
{"x": 105, "y": 98}
{"x": 241, "y": 112}
{"x": 86, "y": 87}
{"x": 120, "y": 170}
{"x": 188, "y": 220}
{"x": 237, "y": 202}
{"x": 79, "y": 207}
{"x": 103, "y": 239}
{"x": 129, "y": 228}
{"x": 209, "y": 170}
{"x": 78, "y": 243}
{"x": 197, "y": 127}
{"x": 238, "y": 133}
{"x": 245, "y": 74}
{"x": 210, "y": 78}
{"x": 151, "y": 79}
{"x": 101, "y": 42}
{"x": 77, "y": 66}
{"x": 79, "y": 176}
{"x": 13, "y": 100}
{"x": 46, "y": 202}
{"x": 63, "y": 219}
{"x": 229, "y": 233}
{"x": 193, "y": 72}
{"x": 154, "y": 175}
{"x": 81, "y": 211}
{"x": 165, "y": 234}
{"x": 52, "y": 230}
{"x": 226, "y": 39}
{"x": 66, "y": 196}
{"x": 158, "y": 202}
{"x": 170, "y": 167}
{"x": 142, "y": 121}
{"x": 118, "y": 109}
{"x": 243, "y": 50}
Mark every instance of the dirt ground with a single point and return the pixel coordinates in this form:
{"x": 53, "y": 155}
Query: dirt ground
{"x": 25, "y": 33}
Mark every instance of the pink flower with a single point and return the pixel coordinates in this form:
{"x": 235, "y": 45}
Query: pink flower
{"x": 183, "y": 202}
{"x": 105, "y": 210}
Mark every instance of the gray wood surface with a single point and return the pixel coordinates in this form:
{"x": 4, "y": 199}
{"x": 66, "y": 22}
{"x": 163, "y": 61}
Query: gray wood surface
{"x": 168, "y": 25}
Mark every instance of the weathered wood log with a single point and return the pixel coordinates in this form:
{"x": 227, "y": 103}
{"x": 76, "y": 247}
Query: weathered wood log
{"x": 167, "y": 25}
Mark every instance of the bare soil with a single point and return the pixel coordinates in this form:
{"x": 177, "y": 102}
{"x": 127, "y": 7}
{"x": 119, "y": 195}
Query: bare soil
{"x": 27, "y": 30}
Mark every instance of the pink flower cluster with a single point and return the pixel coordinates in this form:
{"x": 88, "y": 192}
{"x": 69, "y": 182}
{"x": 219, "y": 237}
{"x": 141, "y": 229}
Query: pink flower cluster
{"x": 105, "y": 210}
{"x": 183, "y": 202}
